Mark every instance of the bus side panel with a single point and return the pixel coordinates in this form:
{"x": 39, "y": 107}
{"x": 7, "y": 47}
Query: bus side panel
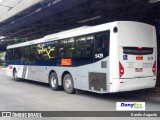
{"x": 41, "y": 73}
{"x": 36, "y": 73}
{"x": 21, "y": 70}
{"x": 86, "y": 76}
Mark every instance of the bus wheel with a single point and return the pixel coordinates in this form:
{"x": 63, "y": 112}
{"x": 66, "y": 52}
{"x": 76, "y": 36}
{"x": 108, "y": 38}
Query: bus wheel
{"x": 53, "y": 81}
{"x": 68, "y": 84}
{"x": 15, "y": 75}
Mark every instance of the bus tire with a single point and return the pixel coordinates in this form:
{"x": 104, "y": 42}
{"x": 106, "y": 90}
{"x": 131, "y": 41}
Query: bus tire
{"x": 53, "y": 81}
{"x": 68, "y": 84}
{"x": 15, "y": 77}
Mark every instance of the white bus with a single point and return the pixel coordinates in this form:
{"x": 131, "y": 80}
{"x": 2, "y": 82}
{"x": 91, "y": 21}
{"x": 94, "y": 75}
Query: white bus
{"x": 112, "y": 57}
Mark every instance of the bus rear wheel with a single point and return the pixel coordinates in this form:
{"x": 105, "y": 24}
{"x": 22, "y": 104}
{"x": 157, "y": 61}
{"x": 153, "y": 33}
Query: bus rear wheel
{"x": 53, "y": 81}
{"x": 68, "y": 84}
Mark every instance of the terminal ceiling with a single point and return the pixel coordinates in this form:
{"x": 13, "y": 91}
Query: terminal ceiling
{"x": 51, "y": 16}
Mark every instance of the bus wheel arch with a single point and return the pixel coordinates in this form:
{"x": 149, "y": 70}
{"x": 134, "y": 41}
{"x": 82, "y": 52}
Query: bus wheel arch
{"x": 67, "y": 82}
{"x": 53, "y": 80}
{"x": 52, "y": 71}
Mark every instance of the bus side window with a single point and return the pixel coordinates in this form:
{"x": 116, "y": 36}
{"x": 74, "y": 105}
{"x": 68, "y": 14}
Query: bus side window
{"x": 61, "y": 51}
{"x": 23, "y": 57}
{"x": 84, "y": 46}
{"x": 29, "y": 55}
{"x": 53, "y": 49}
{"x": 10, "y": 54}
{"x": 66, "y": 48}
{"x": 17, "y": 56}
{"x": 102, "y": 43}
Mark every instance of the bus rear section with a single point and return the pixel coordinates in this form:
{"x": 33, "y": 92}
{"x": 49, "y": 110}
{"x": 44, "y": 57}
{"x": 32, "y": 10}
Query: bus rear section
{"x": 137, "y": 63}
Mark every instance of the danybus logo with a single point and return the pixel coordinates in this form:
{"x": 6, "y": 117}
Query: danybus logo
{"x": 126, "y": 106}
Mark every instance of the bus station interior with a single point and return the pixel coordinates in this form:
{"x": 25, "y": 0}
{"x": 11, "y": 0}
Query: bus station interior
{"x": 46, "y": 17}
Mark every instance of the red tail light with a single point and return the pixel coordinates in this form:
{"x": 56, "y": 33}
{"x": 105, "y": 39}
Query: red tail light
{"x": 121, "y": 70}
{"x": 10, "y": 67}
{"x": 154, "y": 68}
{"x": 139, "y": 47}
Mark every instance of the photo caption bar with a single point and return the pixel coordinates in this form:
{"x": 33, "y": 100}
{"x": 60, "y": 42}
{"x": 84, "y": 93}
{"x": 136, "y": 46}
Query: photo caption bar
{"x": 39, "y": 114}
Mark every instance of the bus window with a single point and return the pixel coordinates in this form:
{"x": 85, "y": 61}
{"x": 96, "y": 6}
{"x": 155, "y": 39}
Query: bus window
{"x": 43, "y": 51}
{"x": 84, "y": 50}
{"x": 29, "y": 57}
{"x": 17, "y": 53}
{"x": 66, "y": 48}
{"x": 102, "y": 44}
{"x": 137, "y": 50}
{"x": 84, "y": 46}
{"x": 10, "y": 54}
{"x": 47, "y": 53}
{"x": 53, "y": 49}
{"x": 47, "y": 50}
{"x": 23, "y": 57}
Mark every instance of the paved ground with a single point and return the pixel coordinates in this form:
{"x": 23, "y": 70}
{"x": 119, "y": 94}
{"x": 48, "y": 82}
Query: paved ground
{"x": 34, "y": 96}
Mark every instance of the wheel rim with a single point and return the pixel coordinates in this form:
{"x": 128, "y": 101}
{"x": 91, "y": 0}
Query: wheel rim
{"x": 68, "y": 84}
{"x": 53, "y": 82}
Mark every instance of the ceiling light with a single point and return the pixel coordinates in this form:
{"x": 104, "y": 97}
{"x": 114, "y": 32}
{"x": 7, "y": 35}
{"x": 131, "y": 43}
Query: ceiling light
{"x": 89, "y": 19}
{"x": 2, "y": 37}
{"x": 1, "y": 1}
{"x": 153, "y": 1}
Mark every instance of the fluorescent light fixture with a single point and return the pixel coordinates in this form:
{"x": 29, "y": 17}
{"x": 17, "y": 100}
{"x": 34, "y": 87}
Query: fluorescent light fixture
{"x": 153, "y": 1}
{"x": 2, "y": 37}
{"x": 56, "y": 1}
{"x": 89, "y": 19}
{"x": 1, "y": 1}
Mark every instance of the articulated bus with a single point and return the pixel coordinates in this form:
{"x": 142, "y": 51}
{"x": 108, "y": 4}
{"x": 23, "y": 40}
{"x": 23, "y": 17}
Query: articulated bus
{"x": 112, "y": 57}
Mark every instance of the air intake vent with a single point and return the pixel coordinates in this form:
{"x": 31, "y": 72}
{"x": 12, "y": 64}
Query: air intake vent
{"x": 97, "y": 81}
{"x": 103, "y": 64}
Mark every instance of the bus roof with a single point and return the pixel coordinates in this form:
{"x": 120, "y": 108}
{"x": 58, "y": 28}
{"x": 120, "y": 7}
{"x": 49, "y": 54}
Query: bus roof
{"x": 66, "y": 34}
{"x": 69, "y": 33}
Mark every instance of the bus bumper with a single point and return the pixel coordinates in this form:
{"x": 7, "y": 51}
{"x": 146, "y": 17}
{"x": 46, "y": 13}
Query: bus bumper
{"x": 9, "y": 71}
{"x": 120, "y": 85}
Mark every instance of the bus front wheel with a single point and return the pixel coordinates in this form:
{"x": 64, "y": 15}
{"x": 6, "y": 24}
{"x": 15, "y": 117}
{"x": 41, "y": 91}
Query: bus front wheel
{"x": 15, "y": 75}
{"x": 53, "y": 80}
{"x": 68, "y": 84}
